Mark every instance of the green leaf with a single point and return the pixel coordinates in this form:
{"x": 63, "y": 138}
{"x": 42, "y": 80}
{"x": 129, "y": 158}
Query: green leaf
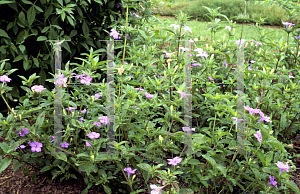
{"x": 27, "y": 2}
{"x": 269, "y": 158}
{"x": 85, "y": 28}
{"x": 48, "y": 11}
{"x": 291, "y": 185}
{"x": 22, "y": 17}
{"x": 45, "y": 168}
{"x": 194, "y": 162}
{"x": 41, "y": 38}
{"x": 276, "y": 144}
{"x": 210, "y": 160}
{"x": 3, "y": 33}
{"x": 145, "y": 167}
{"x": 222, "y": 169}
{"x": 4, "y": 146}
{"x": 38, "y": 8}
{"x": 31, "y": 15}
{"x": 107, "y": 189}
{"x": 40, "y": 120}
{"x": 5, "y": 163}
{"x": 22, "y": 48}
{"x": 261, "y": 157}
{"x": 70, "y": 20}
{"x": 283, "y": 121}
{"x": 16, "y": 165}
{"x": 26, "y": 65}
{"x": 34, "y": 178}
{"x": 18, "y": 58}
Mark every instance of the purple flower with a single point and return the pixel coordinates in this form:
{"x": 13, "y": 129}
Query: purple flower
{"x": 21, "y": 147}
{"x": 79, "y": 171}
{"x": 81, "y": 119}
{"x": 83, "y": 111}
{"x": 225, "y": 62}
{"x": 64, "y": 145}
{"x": 167, "y": 56}
{"x": 115, "y": 34}
{"x": 196, "y": 64}
{"x": 129, "y": 171}
{"x": 175, "y": 26}
{"x": 87, "y": 144}
{"x": 251, "y": 111}
{"x": 86, "y": 80}
{"x": 283, "y": 166}
{"x": 273, "y": 182}
{"x": 174, "y": 161}
{"x": 93, "y": 135}
{"x": 4, "y": 78}
{"x": 80, "y": 76}
{"x": 181, "y": 93}
{"x": 241, "y": 41}
{"x": 71, "y": 108}
{"x": 238, "y": 120}
{"x": 263, "y": 118}
{"x": 258, "y": 136}
{"x": 25, "y": 132}
{"x": 97, "y": 123}
{"x": 249, "y": 68}
{"x": 131, "y": 75}
{"x": 53, "y": 138}
{"x": 288, "y": 24}
{"x": 97, "y": 95}
{"x": 187, "y": 130}
{"x": 118, "y": 6}
{"x": 36, "y": 146}
{"x": 210, "y": 78}
{"x": 104, "y": 119}
{"x": 148, "y": 95}
{"x": 228, "y": 27}
{"x": 139, "y": 89}
{"x": 156, "y": 189}
{"x": 297, "y": 37}
{"x": 38, "y": 88}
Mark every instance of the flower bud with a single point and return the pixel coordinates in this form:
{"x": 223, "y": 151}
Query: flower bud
{"x": 246, "y": 44}
{"x": 92, "y": 157}
{"x": 131, "y": 66}
{"x": 212, "y": 56}
{"x": 225, "y": 45}
{"x": 254, "y": 75}
{"x": 272, "y": 71}
{"x": 175, "y": 68}
{"x": 93, "y": 98}
{"x": 160, "y": 139}
{"x": 165, "y": 73}
{"x": 73, "y": 113}
{"x": 64, "y": 111}
{"x": 224, "y": 37}
{"x": 292, "y": 52}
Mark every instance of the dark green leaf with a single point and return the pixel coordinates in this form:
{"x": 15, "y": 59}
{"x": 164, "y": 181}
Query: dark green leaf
{"x": 5, "y": 163}
{"x": 31, "y": 15}
{"x": 3, "y": 33}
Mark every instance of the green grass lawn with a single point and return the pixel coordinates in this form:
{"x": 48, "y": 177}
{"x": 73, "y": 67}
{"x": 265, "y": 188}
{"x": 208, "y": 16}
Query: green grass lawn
{"x": 199, "y": 28}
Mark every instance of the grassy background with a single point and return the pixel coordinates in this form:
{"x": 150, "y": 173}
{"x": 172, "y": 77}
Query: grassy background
{"x": 273, "y": 14}
{"x": 199, "y": 22}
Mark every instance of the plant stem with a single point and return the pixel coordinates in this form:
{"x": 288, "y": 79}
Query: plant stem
{"x": 123, "y": 170}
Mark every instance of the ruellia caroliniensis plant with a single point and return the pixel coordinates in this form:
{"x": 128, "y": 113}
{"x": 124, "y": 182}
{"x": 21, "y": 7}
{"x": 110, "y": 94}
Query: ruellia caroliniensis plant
{"x": 149, "y": 120}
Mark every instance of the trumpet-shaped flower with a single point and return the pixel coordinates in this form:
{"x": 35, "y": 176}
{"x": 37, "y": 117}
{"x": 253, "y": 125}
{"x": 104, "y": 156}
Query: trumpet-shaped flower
{"x": 258, "y": 136}
{"x": 129, "y": 171}
{"x": 25, "y": 132}
{"x": 38, "y": 88}
{"x": 156, "y": 189}
{"x": 181, "y": 93}
{"x": 175, "y": 26}
{"x": 283, "y": 166}
{"x": 273, "y": 182}
{"x": 36, "y": 146}
{"x": 64, "y": 145}
{"x": 104, "y": 119}
{"x": 93, "y": 135}
{"x": 174, "y": 161}
{"x": 4, "y": 78}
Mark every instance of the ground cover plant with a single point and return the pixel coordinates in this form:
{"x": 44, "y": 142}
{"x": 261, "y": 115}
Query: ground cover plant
{"x": 149, "y": 114}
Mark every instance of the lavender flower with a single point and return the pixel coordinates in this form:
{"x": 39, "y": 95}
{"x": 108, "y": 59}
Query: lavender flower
{"x": 25, "y": 132}
{"x": 36, "y": 146}
{"x": 273, "y": 182}
{"x": 129, "y": 171}
{"x": 258, "y": 136}
{"x": 174, "y": 161}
